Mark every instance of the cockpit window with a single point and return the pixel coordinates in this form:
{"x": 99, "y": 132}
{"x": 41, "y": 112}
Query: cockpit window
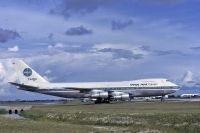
{"x": 167, "y": 80}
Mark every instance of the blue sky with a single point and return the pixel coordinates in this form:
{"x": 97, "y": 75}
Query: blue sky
{"x": 96, "y": 40}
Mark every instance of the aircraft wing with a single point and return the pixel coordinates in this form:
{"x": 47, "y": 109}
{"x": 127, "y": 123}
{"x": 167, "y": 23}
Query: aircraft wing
{"x": 79, "y": 89}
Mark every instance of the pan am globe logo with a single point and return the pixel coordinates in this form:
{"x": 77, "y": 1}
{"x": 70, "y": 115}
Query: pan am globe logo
{"x": 27, "y": 72}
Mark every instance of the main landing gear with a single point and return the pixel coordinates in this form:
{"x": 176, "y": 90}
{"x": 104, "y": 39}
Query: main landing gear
{"x": 162, "y": 98}
{"x": 100, "y": 100}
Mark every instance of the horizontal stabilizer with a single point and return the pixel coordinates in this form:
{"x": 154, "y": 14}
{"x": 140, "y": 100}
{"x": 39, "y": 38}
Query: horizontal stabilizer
{"x": 22, "y": 85}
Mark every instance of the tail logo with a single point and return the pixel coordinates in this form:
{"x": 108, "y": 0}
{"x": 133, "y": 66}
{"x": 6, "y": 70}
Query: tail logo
{"x": 27, "y": 72}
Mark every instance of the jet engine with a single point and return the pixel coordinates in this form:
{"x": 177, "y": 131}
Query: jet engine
{"x": 119, "y": 95}
{"x": 99, "y": 94}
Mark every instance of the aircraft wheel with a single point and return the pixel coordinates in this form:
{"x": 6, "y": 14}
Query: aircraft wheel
{"x": 106, "y": 101}
{"x": 98, "y": 101}
{"x": 162, "y": 98}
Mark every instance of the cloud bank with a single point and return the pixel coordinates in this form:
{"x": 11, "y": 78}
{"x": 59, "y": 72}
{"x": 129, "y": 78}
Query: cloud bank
{"x": 78, "y": 31}
{"x": 14, "y": 49}
{"x": 119, "y": 25}
{"x": 6, "y": 35}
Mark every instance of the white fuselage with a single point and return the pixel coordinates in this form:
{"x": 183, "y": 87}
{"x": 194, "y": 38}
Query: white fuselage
{"x": 135, "y": 88}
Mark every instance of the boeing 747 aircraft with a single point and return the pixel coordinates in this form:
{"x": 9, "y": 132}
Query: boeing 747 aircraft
{"x": 29, "y": 80}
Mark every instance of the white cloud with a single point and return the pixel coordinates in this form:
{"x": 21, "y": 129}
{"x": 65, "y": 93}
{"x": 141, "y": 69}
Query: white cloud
{"x": 7, "y": 74}
{"x": 59, "y": 45}
{"x": 48, "y": 71}
{"x": 188, "y": 77}
{"x": 100, "y": 46}
{"x": 50, "y": 46}
{"x": 2, "y": 71}
{"x": 50, "y": 79}
{"x": 134, "y": 48}
{"x": 3, "y": 92}
{"x": 14, "y": 49}
{"x": 74, "y": 63}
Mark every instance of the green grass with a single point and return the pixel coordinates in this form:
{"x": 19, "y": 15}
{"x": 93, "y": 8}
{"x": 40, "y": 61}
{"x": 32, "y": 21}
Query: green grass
{"x": 29, "y": 126}
{"x": 3, "y": 111}
{"x": 167, "y": 117}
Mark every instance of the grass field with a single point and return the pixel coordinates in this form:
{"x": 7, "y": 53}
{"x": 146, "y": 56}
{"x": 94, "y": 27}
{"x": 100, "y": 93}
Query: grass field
{"x": 136, "y": 117}
{"x": 3, "y": 111}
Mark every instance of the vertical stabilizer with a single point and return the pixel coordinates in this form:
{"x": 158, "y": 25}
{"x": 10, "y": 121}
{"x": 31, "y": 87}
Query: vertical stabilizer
{"x": 26, "y": 74}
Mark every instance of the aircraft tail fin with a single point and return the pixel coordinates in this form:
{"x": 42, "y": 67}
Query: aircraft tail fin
{"x": 26, "y": 74}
